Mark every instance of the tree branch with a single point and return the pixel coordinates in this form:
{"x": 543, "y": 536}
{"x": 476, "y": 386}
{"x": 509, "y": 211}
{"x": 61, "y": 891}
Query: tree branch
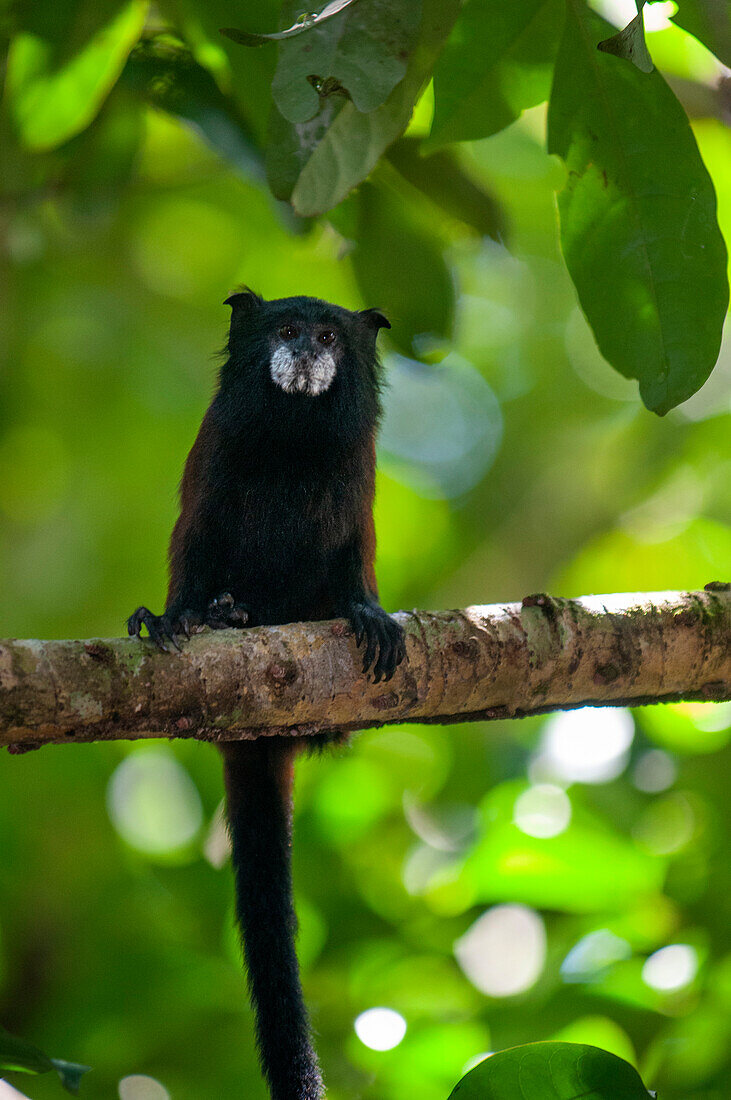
{"x": 497, "y": 661}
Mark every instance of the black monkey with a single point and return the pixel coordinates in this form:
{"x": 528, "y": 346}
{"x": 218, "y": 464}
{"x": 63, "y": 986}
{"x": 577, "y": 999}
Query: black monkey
{"x": 276, "y": 526}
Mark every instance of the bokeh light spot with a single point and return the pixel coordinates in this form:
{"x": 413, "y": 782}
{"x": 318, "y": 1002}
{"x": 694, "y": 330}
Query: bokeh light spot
{"x": 671, "y": 968}
{"x": 504, "y": 951}
{"x": 153, "y": 803}
{"x": 448, "y": 828}
{"x": 542, "y": 811}
{"x": 424, "y": 865}
{"x": 709, "y": 717}
{"x": 442, "y": 426}
{"x": 593, "y": 954}
{"x": 654, "y": 771}
{"x": 689, "y": 728}
{"x": 667, "y": 825}
{"x": 380, "y": 1028}
{"x": 139, "y": 1087}
{"x": 589, "y": 745}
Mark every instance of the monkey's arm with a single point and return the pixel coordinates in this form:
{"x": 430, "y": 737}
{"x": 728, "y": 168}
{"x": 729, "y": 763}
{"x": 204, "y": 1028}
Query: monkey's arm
{"x": 189, "y": 591}
{"x": 193, "y": 599}
{"x": 357, "y": 601}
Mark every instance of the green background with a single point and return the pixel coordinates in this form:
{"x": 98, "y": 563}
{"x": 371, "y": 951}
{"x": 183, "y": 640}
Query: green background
{"x": 516, "y": 462}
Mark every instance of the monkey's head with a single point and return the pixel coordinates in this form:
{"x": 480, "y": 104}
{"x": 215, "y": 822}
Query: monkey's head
{"x": 304, "y": 344}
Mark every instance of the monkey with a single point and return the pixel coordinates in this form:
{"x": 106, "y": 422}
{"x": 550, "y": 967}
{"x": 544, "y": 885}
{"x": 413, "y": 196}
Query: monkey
{"x": 275, "y": 526}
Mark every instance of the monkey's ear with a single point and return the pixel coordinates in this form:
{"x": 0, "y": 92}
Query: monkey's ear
{"x": 244, "y": 299}
{"x": 375, "y": 319}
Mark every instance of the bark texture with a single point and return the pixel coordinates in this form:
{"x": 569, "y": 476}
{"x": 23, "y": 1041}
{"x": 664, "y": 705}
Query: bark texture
{"x": 482, "y": 662}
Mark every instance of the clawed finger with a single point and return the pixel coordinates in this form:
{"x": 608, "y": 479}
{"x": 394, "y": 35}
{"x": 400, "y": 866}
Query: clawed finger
{"x": 134, "y": 622}
{"x": 384, "y": 664}
{"x": 371, "y": 633}
{"x": 159, "y": 627}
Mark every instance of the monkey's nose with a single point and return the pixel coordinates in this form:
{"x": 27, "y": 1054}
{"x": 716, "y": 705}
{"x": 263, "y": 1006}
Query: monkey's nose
{"x": 301, "y": 346}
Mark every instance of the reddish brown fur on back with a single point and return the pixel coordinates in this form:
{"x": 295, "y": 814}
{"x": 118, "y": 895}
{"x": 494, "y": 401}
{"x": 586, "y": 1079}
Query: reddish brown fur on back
{"x": 191, "y": 489}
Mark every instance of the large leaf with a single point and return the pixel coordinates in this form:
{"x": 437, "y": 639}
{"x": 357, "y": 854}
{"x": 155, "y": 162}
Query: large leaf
{"x": 53, "y": 94}
{"x": 552, "y": 1071}
{"x": 410, "y": 280}
{"x": 710, "y": 22}
{"x": 498, "y": 61}
{"x": 19, "y": 1056}
{"x": 354, "y": 142}
{"x": 638, "y": 217}
{"x": 364, "y": 50}
{"x": 170, "y": 78}
{"x": 441, "y": 177}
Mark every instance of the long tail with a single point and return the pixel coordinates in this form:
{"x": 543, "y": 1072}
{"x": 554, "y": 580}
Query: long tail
{"x": 259, "y": 787}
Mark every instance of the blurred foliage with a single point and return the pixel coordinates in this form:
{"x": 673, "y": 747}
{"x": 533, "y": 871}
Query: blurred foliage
{"x": 18, "y": 1056}
{"x": 587, "y": 855}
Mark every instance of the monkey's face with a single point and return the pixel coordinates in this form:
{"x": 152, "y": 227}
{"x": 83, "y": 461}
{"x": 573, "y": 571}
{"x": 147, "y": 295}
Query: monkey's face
{"x": 305, "y": 355}
{"x": 305, "y": 346}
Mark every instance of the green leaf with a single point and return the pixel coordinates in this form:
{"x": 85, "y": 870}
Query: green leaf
{"x": 52, "y": 95}
{"x": 172, "y": 80}
{"x": 386, "y": 275}
{"x": 497, "y": 62}
{"x": 441, "y": 177}
{"x": 364, "y": 51}
{"x": 552, "y": 1071}
{"x": 710, "y": 22}
{"x": 19, "y": 1056}
{"x": 290, "y": 145}
{"x": 304, "y": 22}
{"x": 354, "y": 142}
{"x": 638, "y": 218}
{"x": 630, "y": 44}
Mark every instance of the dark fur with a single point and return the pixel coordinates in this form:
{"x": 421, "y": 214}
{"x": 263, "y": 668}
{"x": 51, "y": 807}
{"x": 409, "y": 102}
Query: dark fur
{"x": 276, "y": 525}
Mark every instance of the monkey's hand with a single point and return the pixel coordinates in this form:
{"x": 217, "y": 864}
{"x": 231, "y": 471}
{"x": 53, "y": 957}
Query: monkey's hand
{"x": 384, "y": 639}
{"x": 223, "y": 611}
{"x": 162, "y": 628}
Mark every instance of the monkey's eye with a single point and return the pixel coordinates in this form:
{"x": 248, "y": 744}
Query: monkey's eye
{"x": 289, "y": 332}
{"x": 326, "y": 337}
